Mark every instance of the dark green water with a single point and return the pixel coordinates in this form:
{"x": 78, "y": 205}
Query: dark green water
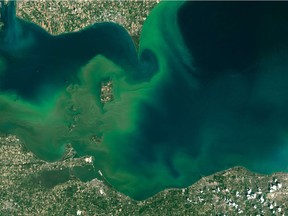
{"x": 207, "y": 91}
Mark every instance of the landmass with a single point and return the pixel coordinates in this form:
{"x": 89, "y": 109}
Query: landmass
{"x": 69, "y": 16}
{"x": 30, "y": 186}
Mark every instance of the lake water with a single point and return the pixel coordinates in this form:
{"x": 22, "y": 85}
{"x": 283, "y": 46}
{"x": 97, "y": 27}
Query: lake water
{"x": 206, "y": 91}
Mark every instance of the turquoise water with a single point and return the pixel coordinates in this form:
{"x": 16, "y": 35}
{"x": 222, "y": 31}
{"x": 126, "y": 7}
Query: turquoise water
{"x": 206, "y": 91}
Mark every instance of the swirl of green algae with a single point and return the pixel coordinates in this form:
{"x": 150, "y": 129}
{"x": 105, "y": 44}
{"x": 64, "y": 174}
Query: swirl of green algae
{"x": 171, "y": 128}
{"x": 165, "y": 126}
